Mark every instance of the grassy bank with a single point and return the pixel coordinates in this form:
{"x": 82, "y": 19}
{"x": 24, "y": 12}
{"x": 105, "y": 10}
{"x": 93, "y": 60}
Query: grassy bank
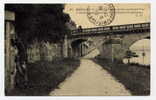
{"x": 45, "y": 76}
{"x": 134, "y": 77}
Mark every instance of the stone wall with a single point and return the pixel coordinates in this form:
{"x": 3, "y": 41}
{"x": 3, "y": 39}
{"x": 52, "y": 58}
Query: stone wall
{"x": 9, "y": 55}
{"x": 44, "y": 51}
{"x": 110, "y": 51}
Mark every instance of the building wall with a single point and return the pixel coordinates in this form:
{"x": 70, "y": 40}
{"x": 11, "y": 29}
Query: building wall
{"x": 9, "y": 50}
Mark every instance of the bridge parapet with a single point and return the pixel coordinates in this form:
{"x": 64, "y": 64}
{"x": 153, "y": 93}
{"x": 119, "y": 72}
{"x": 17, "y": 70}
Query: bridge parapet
{"x": 112, "y": 29}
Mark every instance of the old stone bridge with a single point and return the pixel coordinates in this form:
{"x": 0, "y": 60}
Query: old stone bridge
{"x": 82, "y": 41}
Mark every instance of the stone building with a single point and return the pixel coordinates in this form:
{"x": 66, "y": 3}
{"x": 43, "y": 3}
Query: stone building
{"x": 10, "y": 51}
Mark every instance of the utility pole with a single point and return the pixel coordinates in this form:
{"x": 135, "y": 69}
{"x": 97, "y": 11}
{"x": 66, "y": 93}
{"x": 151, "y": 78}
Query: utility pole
{"x": 65, "y": 47}
{"x": 143, "y": 54}
{"x": 112, "y": 53}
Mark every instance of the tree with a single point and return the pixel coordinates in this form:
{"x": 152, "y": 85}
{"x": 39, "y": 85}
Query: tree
{"x": 42, "y": 22}
{"x": 130, "y": 54}
{"x": 71, "y": 25}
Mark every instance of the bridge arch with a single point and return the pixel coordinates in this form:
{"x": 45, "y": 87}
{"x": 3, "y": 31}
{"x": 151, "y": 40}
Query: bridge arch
{"x": 76, "y": 47}
{"x": 77, "y": 42}
{"x": 118, "y": 50}
{"x": 127, "y": 34}
{"x": 137, "y": 42}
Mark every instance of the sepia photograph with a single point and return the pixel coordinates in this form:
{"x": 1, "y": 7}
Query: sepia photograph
{"x": 77, "y": 49}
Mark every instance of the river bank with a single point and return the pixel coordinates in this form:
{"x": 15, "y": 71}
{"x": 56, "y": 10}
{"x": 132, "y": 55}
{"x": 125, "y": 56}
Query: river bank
{"x": 45, "y": 76}
{"x": 134, "y": 77}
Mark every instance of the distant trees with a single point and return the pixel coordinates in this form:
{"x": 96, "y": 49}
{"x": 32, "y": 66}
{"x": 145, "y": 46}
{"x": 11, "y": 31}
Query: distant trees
{"x": 130, "y": 54}
{"x": 71, "y": 25}
{"x": 42, "y": 22}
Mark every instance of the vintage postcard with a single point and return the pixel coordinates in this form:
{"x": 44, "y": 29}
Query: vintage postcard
{"x": 94, "y": 49}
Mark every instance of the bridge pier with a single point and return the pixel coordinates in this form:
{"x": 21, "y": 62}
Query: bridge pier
{"x": 112, "y": 51}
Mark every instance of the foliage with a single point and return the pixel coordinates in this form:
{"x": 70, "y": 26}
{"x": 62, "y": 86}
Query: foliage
{"x": 45, "y": 76}
{"x": 130, "y": 54}
{"x": 42, "y": 22}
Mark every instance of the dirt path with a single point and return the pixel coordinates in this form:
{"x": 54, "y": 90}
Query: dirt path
{"x": 90, "y": 79}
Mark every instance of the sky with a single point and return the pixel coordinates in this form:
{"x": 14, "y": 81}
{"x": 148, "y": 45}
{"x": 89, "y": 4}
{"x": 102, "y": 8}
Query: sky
{"x": 139, "y": 45}
{"x": 120, "y": 18}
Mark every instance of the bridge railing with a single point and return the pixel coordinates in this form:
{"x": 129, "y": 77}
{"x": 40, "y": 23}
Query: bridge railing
{"x": 111, "y": 28}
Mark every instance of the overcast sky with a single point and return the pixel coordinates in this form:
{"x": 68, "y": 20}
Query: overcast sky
{"x": 82, "y": 19}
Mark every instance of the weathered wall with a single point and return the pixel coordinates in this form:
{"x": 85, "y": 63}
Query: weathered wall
{"x": 111, "y": 51}
{"x": 9, "y": 50}
{"x": 44, "y": 51}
